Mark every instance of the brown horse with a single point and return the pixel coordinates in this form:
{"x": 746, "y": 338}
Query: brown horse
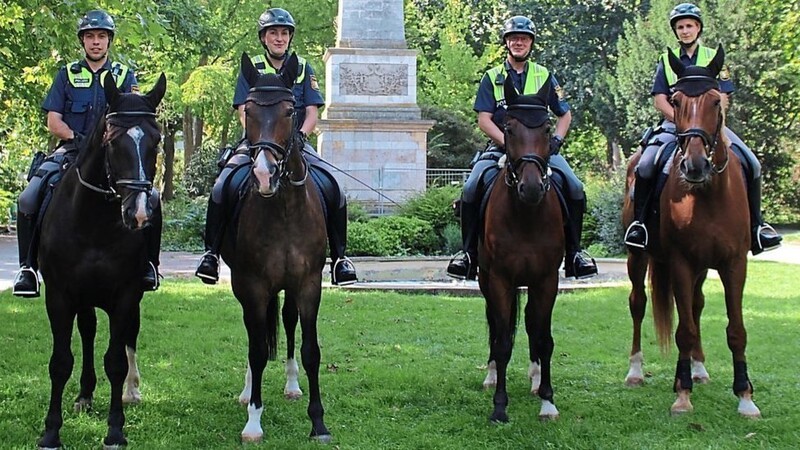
{"x": 523, "y": 245}
{"x": 278, "y": 245}
{"x": 703, "y": 224}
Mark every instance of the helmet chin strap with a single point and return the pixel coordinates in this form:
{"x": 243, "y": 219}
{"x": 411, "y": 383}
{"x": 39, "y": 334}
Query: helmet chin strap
{"x": 96, "y": 59}
{"x": 687, "y": 45}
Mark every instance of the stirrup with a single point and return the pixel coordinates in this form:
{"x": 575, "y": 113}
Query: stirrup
{"x": 460, "y": 256}
{"x": 342, "y": 260}
{"x": 26, "y": 292}
{"x": 766, "y": 227}
{"x": 208, "y": 279}
{"x": 157, "y": 283}
{"x": 634, "y": 226}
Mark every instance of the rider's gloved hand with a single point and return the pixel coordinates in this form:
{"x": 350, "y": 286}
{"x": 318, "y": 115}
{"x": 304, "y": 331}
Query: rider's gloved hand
{"x": 556, "y": 142}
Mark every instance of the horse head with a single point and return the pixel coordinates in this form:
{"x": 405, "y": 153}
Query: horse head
{"x": 527, "y": 137}
{"x": 699, "y": 119}
{"x": 129, "y": 142}
{"x": 270, "y": 125}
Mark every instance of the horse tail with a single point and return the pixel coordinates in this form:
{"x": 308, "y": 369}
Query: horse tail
{"x": 273, "y": 316}
{"x": 663, "y": 303}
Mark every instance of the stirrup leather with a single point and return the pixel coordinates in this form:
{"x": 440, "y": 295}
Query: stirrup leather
{"x": 633, "y": 226}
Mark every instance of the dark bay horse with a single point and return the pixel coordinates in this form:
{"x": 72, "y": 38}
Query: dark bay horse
{"x": 93, "y": 249}
{"x": 523, "y": 245}
{"x": 279, "y": 244}
{"x": 703, "y": 224}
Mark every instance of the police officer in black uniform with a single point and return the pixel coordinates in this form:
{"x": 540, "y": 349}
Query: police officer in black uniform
{"x": 686, "y": 22}
{"x": 74, "y": 105}
{"x": 518, "y": 35}
{"x": 275, "y": 31}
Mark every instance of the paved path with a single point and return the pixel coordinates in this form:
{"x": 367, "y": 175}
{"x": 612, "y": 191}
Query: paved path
{"x": 425, "y": 274}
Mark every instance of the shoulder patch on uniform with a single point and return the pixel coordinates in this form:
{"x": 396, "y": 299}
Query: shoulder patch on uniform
{"x": 314, "y": 83}
{"x": 560, "y": 93}
{"x": 724, "y": 73}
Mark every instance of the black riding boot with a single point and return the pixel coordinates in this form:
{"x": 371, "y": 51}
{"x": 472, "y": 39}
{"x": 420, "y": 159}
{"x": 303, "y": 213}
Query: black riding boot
{"x": 577, "y": 263}
{"x": 762, "y": 236}
{"x": 342, "y": 270}
{"x": 152, "y": 235}
{"x": 464, "y": 265}
{"x": 208, "y": 269}
{"x": 26, "y": 283}
{"x": 636, "y": 237}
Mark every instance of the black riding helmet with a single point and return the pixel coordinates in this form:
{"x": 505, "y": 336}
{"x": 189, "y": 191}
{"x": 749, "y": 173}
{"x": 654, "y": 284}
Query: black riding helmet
{"x": 518, "y": 25}
{"x": 685, "y": 11}
{"x": 96, "y": 19}
{"x": 275, "y": 17}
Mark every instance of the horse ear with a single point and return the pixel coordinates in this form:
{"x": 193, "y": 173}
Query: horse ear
{"x": 510, "y": 91}
{"x": 249, "y": 71}
{"x": 717, "y": 62}
{"x": 675, "y": 63}
{"x": 157, "y": 93}
{"x": 110, "y": 88}
{"x": 544, "y": 91}
{"x": 290, "y": 69}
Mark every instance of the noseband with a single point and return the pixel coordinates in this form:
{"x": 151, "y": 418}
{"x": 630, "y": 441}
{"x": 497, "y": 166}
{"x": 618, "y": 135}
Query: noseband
{"x": 280, "y": 153}
{"x": 134, "y": 185}
{"x": 511, "y": 178}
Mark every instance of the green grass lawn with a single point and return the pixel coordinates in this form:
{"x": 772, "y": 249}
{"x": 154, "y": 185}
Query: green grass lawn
{"x": 405, "y": 372}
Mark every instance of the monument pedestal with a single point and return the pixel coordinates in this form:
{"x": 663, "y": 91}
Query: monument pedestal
{"x": 371, "y": 127}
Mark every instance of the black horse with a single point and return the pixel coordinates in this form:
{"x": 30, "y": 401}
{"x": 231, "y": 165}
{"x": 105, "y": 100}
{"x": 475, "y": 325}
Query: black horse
{"x": 278, "y": 244}
{"x": 93, "y": 249}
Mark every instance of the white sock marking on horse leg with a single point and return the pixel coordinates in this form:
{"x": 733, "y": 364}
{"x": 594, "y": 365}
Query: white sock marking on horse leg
{"x": 244, "y": 397}
{"x": 131, "y": 393}
{"x": 491, "y": 376}
{"x": 699, "y": 373}
{"x": 535, "y": 375}
{"x": 635, "y": 376}
{"x": 292, "y": 390}
{"x": 748, "y": 408}
{"x": 252, "y": 431}
{"x": 548, "y": 411}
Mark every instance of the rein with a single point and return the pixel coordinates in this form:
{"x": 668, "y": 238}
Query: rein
{"x": 133, "y": 185}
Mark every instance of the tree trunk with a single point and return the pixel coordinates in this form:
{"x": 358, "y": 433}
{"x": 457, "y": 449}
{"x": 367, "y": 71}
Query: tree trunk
{"x": 198, "y": 134}
{"x": 188, "y": 139}
{"x": 169, "y": 163}
{"x": 613, "y": 154}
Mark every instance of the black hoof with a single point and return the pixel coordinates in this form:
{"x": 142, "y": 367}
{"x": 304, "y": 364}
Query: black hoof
{"x": 499, "y": 417}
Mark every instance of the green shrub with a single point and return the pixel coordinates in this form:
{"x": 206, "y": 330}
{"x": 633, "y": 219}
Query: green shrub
{"x": 452, "y": 238}
{"x": 391, "y": 236}
{"x": 202, "y": 170}
{"x": 602, "y": 226}
{"x": 435, "y": 206}
{"x": 453, "y": 140}
{"x": 184, "y": 223}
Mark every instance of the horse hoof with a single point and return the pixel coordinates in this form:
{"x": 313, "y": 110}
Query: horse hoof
{"x": 701, "y": 379}
{"x": 132, "y": 398}
{"x": 114, "y": 447}
{"x": 548, "y": 418}
{"x": 534, "y": 392}
{"x": 634, "y": 382}
{"x": 680, "y": 410}
{"x": 293, "y": 395}
{"x": 82, "y": 405}
{"x": 244, "y": 401}
{"x": 251, "y": 438}
{"x": 748, "y": 409}
{"x": 489, "y": 385}
{"x": 323, "y": 438}
{"x": 499, "y": 418}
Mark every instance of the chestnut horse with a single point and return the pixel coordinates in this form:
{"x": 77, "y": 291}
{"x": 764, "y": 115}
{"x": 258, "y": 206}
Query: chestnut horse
{"x": 278, "y": 244}
{"x": 523, "y": 245}
{"x": 93, "y": 249}
{"x": 703, "y": 224}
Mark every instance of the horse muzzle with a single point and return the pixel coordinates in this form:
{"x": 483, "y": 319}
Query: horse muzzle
{"x": 531, "y": 192}
{"x": 138, "y": 207}
{"x": 265, "y": 175}
{"x": 696, "y": 170}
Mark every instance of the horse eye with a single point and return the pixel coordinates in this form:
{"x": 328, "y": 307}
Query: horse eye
{"x": 289, "y": 112}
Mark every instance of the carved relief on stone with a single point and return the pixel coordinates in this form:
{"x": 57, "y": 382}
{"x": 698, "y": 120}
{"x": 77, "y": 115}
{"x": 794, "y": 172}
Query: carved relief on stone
{"x": 373, "y": 79}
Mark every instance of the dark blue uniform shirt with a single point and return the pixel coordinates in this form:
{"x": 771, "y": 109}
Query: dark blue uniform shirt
{"x": 81, "y": 107}
{"x": 305, "y": 94}
{"x": 485, "y": 101}
{"x": 661, "y": 86}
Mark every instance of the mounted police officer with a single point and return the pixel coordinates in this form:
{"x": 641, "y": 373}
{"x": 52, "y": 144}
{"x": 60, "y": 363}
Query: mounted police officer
{"x": 74, "y": 104}
{"x": 276, "y": 29}
{"x": 518, "y": 35}
{"x": 686, "y": 22}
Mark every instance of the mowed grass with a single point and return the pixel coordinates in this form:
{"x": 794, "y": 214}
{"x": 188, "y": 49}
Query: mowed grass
{"x": 405, "y": 372}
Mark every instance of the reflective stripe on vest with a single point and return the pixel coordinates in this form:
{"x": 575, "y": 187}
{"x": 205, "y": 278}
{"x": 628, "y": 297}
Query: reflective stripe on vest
{"x": 83, "y": 79}
{"x": 536, "y": 77}
{"x": 704, "y": 56}
{"x": 260, "y": 63}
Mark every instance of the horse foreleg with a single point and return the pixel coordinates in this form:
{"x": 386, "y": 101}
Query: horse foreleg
{"x": 131, "y": 393}
{"x": 491, "y": 368}
{"x": 637, "y": 304}
{"x": 116, "y": 367}
{"x": 501, "y": 304}
{"x": 308, "y": 300}
{"x": 685, "y": 334}
{"x": 290, "y": 316}
{"x": 733, "y": 279}
{"x": 538, "y": 322}
{"x": 255, "y": 320}
{"x": 87, "y": 328}
{"x": 61, "y": 362}
{"x": 535, "y": 367}
{"x": 699, "y": 373}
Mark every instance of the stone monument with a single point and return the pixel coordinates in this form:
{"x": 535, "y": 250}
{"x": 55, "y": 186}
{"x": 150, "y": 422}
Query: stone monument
{"x": 371, "y": 127}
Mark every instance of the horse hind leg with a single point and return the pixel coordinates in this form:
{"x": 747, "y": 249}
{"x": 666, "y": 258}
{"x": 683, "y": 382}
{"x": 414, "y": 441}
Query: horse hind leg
{"x": 538, "y": 324}
{"x": 261, "y": 322}
{"x": 131, "y": 393}
{"x": 116, "y": 366}
{"x": 491, "y": 375}
{"x": 699, "y": 372}
{"x": 87, "y": 328}
{"x": 290, "y": 315}
{"x": 307, "y": 301}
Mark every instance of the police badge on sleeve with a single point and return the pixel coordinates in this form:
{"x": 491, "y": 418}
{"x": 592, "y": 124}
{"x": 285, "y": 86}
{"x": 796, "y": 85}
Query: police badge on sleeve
{"x": 560, "y": 93}
{"x": 724, "y": 73}
{"x": 314, "y": 83}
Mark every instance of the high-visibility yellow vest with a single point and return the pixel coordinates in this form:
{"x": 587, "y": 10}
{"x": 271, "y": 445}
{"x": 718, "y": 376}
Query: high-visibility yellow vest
{"x": 83, "y": 78}
{"x": 536, "y": 77}
{"x": 260, "y": 63}
{"x": 704, "y": 56}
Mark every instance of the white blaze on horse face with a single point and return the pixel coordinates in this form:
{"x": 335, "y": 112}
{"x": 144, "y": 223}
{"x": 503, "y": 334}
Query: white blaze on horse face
{"x": 136, "y": 134}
